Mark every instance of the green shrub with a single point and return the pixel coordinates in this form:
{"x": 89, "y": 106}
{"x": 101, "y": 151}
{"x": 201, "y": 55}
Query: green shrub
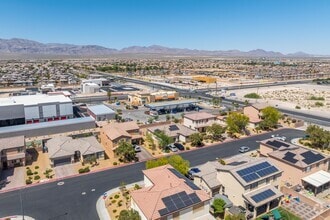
{"x": 29, "y": 172}
{"x": 28, "y": 181}
{"x": 319, "y": 104}
{"x": 36, "y": 167}
{"x": 252, "y": 95}
{"x": 27, "y": 168}
{"x": 114, "y": 163}
{"x": 113, "y": 201}
{"x": 316, "y": 98}
{"x": 37, "y": 177}
{"x": 187, "y": 148}
{"x": 298, "y": 107}
{"x": 136, "y": 186}
{"x": 116, "y": 196}
{"x": 35, "y": 172}
{"x": 114, "y": 211}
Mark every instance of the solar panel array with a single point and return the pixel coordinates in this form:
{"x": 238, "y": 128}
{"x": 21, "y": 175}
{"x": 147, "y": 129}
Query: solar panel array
{"x": 188, "y": 182}
{"x": 311, "y": 157}
{"x": 277, "y": 144}
{"x": 173, "y": 128}
{"x": 289, "y": 156}
{"x": 263, "y": 195}
{"x": 178, "y": 201}
{"x": 257, "y": 171}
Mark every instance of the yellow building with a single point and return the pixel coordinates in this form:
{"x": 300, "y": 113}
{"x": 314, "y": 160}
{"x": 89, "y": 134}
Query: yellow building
{"x": 144, "y": 98}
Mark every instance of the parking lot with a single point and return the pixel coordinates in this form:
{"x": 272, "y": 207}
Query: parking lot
{"x": 140, "y": 115}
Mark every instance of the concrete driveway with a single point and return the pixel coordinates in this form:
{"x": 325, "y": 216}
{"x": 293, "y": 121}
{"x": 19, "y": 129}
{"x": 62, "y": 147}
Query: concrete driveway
{"x": 64, "y": 170}
{"x": 144, "y": 154}
{"x": 15, "y": 177}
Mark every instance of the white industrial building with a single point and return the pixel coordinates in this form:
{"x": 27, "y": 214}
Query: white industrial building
{"x": 89, "y": 88}
{"x": 100, "y": 81}
{"x": 34, "y": 108}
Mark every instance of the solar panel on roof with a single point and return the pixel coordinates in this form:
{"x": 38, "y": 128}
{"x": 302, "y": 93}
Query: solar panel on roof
{"x": 267, "y": 171}
{"x": 176, "y": 173}
{"x": 192, "y": 185}
{"x": 163, "y": 212}
{"x": 277, "y": 144}
{"x": 173, "y": 128}
{"x": 311, "y": 157}
{"x": 263, "y": 195}
{"x": 250, "y": 177}
{"x": 289, "y": 156}
{"x": 254, "y": 172}
{"x": 171, "y": 208}
{"x": 180, "y": 205}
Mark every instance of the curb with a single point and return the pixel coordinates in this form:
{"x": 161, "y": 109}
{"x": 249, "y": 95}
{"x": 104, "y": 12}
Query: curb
{"x": 128, "y": 164}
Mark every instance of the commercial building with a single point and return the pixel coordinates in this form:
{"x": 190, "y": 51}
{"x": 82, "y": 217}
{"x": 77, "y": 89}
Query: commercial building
{"x": 176, "y": 105}
{"x": 12, "y": 152}
{"x": 99, "y": 81}
{"x": 49, "y": 128}
{"x": 199, "y": 121}
{"x": 167, "y": 194}
{"x": 101, "y": 112}
{"x": 296, "y": 162}
{"x": 29, "y": 109}
{"x": 111, "y": 134}
{"x": 65, "y": 150}
{"x": 143, "y": 98}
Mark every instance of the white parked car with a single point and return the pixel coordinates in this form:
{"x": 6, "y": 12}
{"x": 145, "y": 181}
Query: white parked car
{"x": 244, "y": 149}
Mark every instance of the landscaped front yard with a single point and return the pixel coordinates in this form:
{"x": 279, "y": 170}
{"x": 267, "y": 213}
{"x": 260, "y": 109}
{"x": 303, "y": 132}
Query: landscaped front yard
{"x": 119, "y": 201}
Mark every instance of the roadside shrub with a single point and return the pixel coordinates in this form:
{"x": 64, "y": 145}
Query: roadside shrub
{"x": 37, "y": 177}
{"x": 116, "y": 196}
{"x": 187, "y": 148}
{"x": 114, "y": 163}
{"x": 221, "y": 161}
{"x": 29, "y": 172}
{"x": 136, "y": 186}
{"x": 35, "y": 172}
{"x": 298, "y": 107}
{"x": 28, "y": 181}
{"x": 294, "y": 120}
{"x": 36, "y": 167}
{"x": 84, "y": 170}
{"x": 319, "y": 104}
{"x": 30, "y": 177}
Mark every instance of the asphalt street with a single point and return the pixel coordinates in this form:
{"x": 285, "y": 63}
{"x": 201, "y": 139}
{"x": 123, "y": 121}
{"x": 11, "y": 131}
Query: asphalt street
{"x": 76, "y": 198}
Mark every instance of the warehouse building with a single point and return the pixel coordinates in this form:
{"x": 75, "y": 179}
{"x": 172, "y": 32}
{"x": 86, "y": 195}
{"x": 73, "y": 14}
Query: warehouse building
{"x": 101, "y": 112}
{"x": 30, "y": 109}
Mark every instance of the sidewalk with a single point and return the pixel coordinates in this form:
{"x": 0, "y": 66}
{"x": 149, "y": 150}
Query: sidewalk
{"x": 17, "y": 217}
{"x": 100, "y": 204}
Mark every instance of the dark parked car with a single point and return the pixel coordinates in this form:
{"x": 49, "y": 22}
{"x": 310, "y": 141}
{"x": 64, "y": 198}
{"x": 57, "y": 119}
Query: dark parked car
{"x": 179, "y": 146}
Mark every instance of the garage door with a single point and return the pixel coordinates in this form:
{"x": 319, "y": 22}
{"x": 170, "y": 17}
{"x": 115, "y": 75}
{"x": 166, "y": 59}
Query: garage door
{"x": 62, "y": 161}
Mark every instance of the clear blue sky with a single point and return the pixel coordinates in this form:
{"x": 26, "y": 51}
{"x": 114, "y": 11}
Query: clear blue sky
{"x": 280, "y": 25}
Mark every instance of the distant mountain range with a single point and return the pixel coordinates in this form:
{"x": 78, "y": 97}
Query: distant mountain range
{"x": 29, "y": 47}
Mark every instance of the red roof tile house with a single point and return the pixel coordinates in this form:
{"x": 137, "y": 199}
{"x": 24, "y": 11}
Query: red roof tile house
{"x": 169, "y": 195}
{"x": 254, "y": 113}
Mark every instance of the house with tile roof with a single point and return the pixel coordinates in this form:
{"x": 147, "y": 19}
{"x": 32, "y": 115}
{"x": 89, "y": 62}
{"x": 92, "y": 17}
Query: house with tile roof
{"x": 111, "y": 134}
{"x": 167, "y": 194}
{"x": 252, "y": 183}
{"x": 66, "y": 150}
{"x": 253, "y": 112}
{"x": 199, "y": 121}
{"x": 297, "y": 162}
{"x": 12, "y": 152}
